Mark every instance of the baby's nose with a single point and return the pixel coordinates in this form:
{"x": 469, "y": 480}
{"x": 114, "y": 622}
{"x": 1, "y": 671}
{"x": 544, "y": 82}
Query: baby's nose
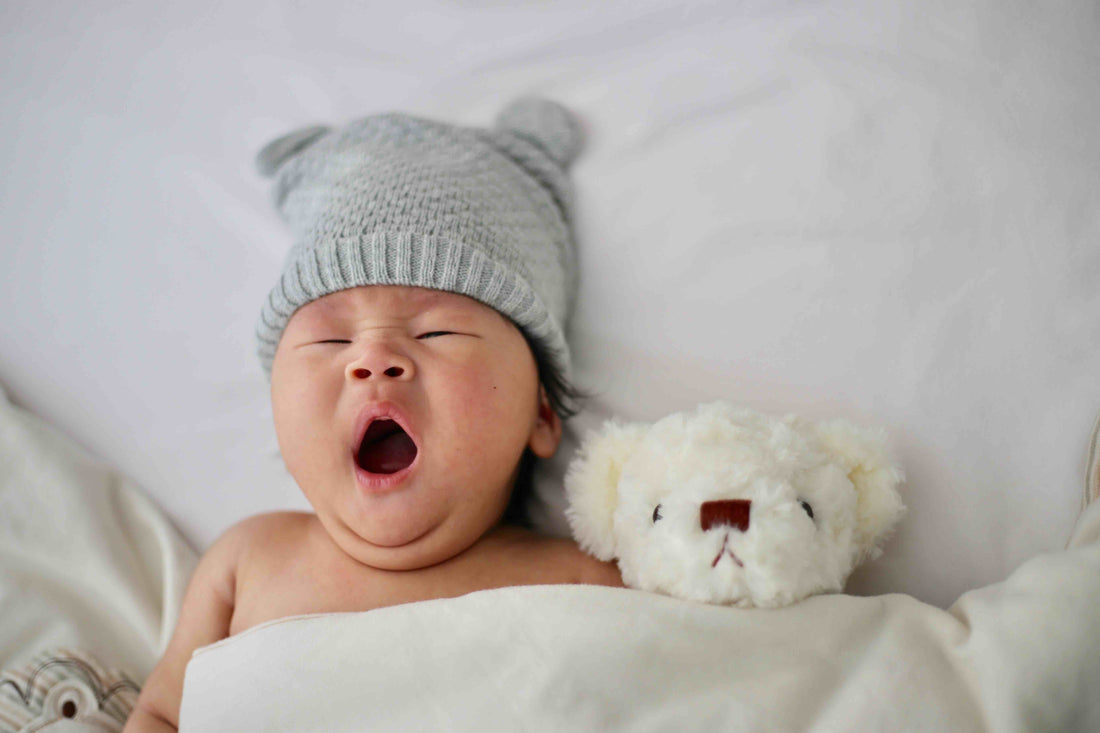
{"x": 732, "y": 512}
{"x": 381, "y": 362}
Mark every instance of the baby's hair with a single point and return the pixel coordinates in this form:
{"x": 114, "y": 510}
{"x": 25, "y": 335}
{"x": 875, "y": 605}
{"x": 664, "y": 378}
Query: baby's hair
{"x": 566, "y": 400}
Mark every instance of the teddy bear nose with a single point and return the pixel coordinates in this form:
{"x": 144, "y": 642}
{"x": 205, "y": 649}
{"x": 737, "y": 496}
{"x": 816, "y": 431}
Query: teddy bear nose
{"x": 732, "y": 512}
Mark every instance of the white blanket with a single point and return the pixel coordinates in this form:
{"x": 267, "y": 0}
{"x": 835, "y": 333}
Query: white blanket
{"x": 1021, "y": 655}
{"x": 87, "y": 561}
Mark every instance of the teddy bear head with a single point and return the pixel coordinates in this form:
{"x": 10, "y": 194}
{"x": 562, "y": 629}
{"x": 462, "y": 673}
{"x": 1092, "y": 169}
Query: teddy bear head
{"x": 726, "y": 505}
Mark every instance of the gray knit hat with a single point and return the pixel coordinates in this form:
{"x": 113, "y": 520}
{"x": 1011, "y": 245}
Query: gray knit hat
{"x": 393, "y": 199}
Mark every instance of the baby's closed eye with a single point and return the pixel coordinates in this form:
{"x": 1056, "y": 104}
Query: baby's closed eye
{"x": 428, "y": 335}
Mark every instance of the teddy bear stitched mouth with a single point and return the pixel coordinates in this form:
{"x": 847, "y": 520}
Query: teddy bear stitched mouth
{"x": 386, "y": 448}
{"x": 724, "y": 551}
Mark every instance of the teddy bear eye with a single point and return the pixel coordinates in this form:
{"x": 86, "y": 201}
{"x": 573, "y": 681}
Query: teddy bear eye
{"x": 809, "y": 509}
{"x": 656, "y": 513}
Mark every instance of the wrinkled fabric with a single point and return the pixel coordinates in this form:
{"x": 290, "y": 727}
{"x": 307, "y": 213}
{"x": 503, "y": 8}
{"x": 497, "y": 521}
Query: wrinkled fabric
{"x": 1020, "y": 656}
{"x": 87, "y": 560}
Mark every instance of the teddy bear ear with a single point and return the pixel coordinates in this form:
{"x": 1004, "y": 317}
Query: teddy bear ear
{"x": 863, "y": 454}
{"x": 592, "y": 485}
{"x": 279, "y": 150}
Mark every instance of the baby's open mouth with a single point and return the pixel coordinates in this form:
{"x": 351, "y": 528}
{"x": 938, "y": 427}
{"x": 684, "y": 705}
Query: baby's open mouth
{"x": 386, "y": 448}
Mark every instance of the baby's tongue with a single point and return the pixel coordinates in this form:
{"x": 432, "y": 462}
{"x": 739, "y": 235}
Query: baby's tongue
{"x": 388, "y": 455}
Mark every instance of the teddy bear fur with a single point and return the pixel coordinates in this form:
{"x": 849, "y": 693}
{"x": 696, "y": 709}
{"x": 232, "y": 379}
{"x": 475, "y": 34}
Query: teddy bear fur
{"x": 824, "y": 496}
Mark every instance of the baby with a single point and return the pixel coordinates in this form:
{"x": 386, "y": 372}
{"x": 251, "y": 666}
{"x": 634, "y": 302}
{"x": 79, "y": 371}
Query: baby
{"x": 418, "y": 365}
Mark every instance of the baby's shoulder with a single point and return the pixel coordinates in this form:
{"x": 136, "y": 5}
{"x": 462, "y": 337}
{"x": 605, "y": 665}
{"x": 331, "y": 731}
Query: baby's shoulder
{"x": 269, "y": 543}
{"x": 253, "y": 541}
{"x": 222, "y": 565}
{"x": 269, "y": 530}
{"x": 557, "y": 560}
{"x": 260, "y": 525}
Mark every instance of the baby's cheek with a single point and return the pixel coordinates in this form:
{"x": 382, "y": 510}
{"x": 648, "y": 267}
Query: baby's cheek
{"x": 472, "y": 395}
{"x": 471, "y": 432}
{"x": 494, "y": 397}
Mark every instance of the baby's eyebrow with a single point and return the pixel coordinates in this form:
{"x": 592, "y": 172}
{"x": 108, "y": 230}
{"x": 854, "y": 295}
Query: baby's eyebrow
{"x": 316, "y": 316}
{"x": 439, "y": 303}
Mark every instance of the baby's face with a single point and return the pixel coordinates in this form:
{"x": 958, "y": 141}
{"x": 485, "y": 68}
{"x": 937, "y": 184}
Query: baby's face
{"x": 402, "y": 413}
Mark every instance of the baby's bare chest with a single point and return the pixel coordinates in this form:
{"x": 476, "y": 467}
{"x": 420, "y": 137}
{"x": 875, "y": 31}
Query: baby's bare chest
{"x": 295, "y": 581}
{"x": 270, "y": 588}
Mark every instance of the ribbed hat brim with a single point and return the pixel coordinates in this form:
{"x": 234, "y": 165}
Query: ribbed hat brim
{"x": 408, "y": 258}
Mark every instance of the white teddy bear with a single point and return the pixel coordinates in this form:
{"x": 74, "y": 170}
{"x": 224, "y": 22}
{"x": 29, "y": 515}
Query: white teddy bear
{"x": 727, "y": 505}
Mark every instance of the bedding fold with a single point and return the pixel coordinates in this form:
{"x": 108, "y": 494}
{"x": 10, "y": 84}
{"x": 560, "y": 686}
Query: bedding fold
{"x": 87, "y": 560}
{"x": 1021, "y": 655}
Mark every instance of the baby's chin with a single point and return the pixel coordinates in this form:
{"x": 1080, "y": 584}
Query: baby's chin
{"x": 410, "y": 547}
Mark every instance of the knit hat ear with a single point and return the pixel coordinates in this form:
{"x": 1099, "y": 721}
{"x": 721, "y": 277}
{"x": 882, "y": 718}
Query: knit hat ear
{"x": 276, "y": 152}
{"x": 547, "y": 124}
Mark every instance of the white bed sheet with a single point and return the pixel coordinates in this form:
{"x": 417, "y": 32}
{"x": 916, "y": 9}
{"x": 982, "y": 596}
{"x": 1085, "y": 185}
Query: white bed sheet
{"x": 886, "y": 211}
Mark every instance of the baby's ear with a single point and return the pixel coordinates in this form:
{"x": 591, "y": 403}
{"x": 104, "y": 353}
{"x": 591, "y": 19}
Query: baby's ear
{"x": 592, "y": 485}
{"x": 276, "y": 152}
{"x": 863, "y": 454}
